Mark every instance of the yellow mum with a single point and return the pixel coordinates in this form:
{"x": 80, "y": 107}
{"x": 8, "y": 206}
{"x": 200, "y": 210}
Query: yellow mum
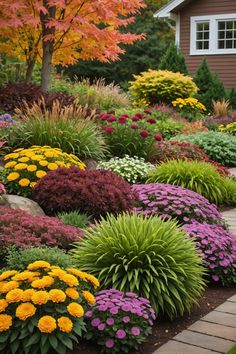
{"x": 52, "y": 166}
{"x": 27, "y": 295}
{"x": 7, "y": 274}
{"x": 65, "y": 324}
{"x": 44, "y": 282}
{"x": 3, "y": 305}
{"x": 23, "y": 159}
{"x": 40, "y": 297}
{"x": 89, "y": 297}
{"x": 72, "y": 293}
{"x": 57, "y": 295}
{"x": 23, "y": 276}
{"x": 5, "y": 322}
{"x": 37, "y": 157}
{"x": 24, "y": 311}
{"x": 40, "y": 173}
{"x": 32, "y": 168}
{"x": 9, "y": 286}
{"x": 47, "y": 324}
{"x": 14, "y": 295}
{"x": 93, "y": 280}
{"x": 57, "y": 272}
{"x": 11, "y": 156}
{"x": 75, "y": 310}
{"x": 20, "y": 166}
{"x": 43, "y": 163}
{"x": 24, "y": 182}
{"x": 49, "y": 154}
{"x": 10, "y": 164}
{"x": 38, "y": 265}
{"x": 69, "y": 280}
{"x": 13, "y": 176}
{"x": 33, "y": 184}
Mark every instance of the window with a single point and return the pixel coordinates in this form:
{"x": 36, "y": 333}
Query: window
{"x": 213, "y": 34}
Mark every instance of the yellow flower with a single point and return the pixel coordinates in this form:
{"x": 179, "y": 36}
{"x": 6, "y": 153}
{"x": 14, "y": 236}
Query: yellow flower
{"x": 9, "y": 286}
{"x": 25, "y": 275}
{"x": 27, "y": 295}
{"x": 57, "y": 295}
{"x": 52, "y": 166}
{"x": 11, "y": 156}
{"x": 23, "y": 159}
{"x": 38, "y": 265}
{"x": 43, "y": 163}
{"x": 65, "y": 324}
{"x": 13, "y": 176}
{"x": 69, "y": 280}
{"x": 72, "y": 293}
{"x": 75, "y": 310}
{"x": 33, "y": 184}
{"x": 40, "y": 297}
{"x": 49, "y": 154}
{"x": 93, "y": 280}
{"x": 20, "y": 166}
{"x": 57, "y": 272}
{"x": 44, "y": 282}
{"x": 14, "y": 295}
{"x": 3, "y": 305}
{"x": 89, "y": 297}
{"x": 7, "y": 274}
{"x": 47, "y": 324}
{"x": 24, "y": 311}
{"x": 24, "y": 182}
{"x": 40, "y": 173}
{"x": 37, "y": 157}
{"x": 5, "y": 322}
{"x": 18, "y": 150}
{"x": 10, "y": 164}
{"x": 32, "y": 168}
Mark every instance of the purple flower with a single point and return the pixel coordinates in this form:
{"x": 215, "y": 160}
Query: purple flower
{"x": 135, "y": 331}
{"x": 120, "y": 334}
{"x": 89, "y": 314}
{"x": 114, "y": 310}
{"x": 109, "y": 343}
{"x": 110, "y": 321}
{"x": 101, "y": 327}
{"x": 126, "y": 319}
{"x": 126, "y": 307}
{"x": 95, "y": 322}
{"x": 102, "y": 307}
{"x": 215, "y": 277}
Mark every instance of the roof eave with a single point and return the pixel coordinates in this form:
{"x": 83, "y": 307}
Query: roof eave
{"x": 167, "y": 10}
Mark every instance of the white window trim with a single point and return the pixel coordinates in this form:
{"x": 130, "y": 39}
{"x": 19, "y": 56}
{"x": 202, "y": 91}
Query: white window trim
{"x": 213, "y": 35}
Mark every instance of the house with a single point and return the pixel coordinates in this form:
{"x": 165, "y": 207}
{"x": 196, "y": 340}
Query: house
{"x": 206, "y": 28}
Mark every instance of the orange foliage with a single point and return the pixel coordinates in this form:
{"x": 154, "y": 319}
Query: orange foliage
{"x": 194, "y": 127}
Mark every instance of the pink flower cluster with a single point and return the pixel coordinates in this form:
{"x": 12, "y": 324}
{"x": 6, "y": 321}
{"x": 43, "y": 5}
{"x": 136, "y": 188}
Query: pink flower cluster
{"x": 119, "y": 320}
{"x": 218, "y": 249}
{"x": 170, "y": 201}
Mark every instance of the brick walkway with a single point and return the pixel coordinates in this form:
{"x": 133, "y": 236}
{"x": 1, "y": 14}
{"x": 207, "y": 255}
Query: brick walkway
{"x": 215, "y": 332}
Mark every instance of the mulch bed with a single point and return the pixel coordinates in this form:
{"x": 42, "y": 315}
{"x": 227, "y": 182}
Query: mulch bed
{"x": 163, "y": 329}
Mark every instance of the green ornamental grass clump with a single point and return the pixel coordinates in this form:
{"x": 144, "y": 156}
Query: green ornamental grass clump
{"x": 220, "y": 147}
{"x": 74, "y": 218}
{"x": 149, "y": 256}
{"x": 200, "y": 177}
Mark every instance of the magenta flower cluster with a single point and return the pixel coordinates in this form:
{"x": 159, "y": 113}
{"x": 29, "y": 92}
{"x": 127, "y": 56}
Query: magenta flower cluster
{"x": 170, "y": 201}
{"x": 119, "y": 321}
{"x": 218, "y": 249}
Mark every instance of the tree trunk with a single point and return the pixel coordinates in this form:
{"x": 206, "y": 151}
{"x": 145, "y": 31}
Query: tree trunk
{"x": 46, "y": 65}
{"x": 29, "y": 71}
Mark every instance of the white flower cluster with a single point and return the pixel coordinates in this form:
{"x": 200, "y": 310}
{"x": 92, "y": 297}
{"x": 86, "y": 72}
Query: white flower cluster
{"x": 132, "y": 169}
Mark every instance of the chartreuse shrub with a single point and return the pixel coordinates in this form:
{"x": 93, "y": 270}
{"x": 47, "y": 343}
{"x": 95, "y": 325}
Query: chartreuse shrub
{"x": 24, "y": 167}
{"x": 132, "y": 169}
{"x": 119, "y": 321}
{"x": 74, "y": 218}
{"x": 94, "y": 192}
{"x": 149, "y": 256}
{"x": 220, "y": 147}
{"x": 218, "y": 249}
{"x": 169, "y": 201}
{"x": 18, "y": 258}
{"x": 198, "y": 176}
{"x": 42, "y": 308}
{"x": 160, "y": 86}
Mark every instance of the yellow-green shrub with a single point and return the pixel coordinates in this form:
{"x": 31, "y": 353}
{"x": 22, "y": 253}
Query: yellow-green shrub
{"x": 155, "y": 86}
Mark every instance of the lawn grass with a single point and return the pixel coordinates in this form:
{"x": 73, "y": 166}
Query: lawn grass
{"x": 232, "y": 350}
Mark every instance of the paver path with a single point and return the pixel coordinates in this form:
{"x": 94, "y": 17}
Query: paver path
{"x": 215, "y": 332}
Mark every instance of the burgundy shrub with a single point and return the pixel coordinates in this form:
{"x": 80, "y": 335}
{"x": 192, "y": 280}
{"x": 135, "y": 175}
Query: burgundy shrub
{"x": 95, "y": 192}
{"x": 24, "y": 230}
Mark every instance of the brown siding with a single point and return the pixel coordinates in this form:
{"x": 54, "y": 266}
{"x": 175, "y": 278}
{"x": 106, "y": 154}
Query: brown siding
{"x": 225, "y": 64}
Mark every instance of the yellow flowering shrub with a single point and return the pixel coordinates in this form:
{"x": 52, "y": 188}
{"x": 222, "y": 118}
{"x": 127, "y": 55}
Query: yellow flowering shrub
{"x": 161, "y": 86}
{"x": 228, "y": 128}
{"x": 24, "y": 167}
{"x": 41, "y": 300}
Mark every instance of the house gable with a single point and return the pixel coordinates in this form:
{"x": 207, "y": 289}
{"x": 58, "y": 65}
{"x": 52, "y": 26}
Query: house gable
{"x": 171, "y": 7}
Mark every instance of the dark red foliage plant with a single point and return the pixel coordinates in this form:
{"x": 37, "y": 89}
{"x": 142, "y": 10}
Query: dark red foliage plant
{"x": 94, "y": 192}
{"x": 19, "y": 228}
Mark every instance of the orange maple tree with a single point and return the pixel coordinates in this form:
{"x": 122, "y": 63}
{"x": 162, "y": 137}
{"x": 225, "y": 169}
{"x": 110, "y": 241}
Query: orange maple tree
{"x": 64, "y": 31}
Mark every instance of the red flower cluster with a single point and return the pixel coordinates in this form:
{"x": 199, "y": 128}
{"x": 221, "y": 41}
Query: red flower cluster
{"x": 24, "y": 230}
{"x": 95, "y": 192}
